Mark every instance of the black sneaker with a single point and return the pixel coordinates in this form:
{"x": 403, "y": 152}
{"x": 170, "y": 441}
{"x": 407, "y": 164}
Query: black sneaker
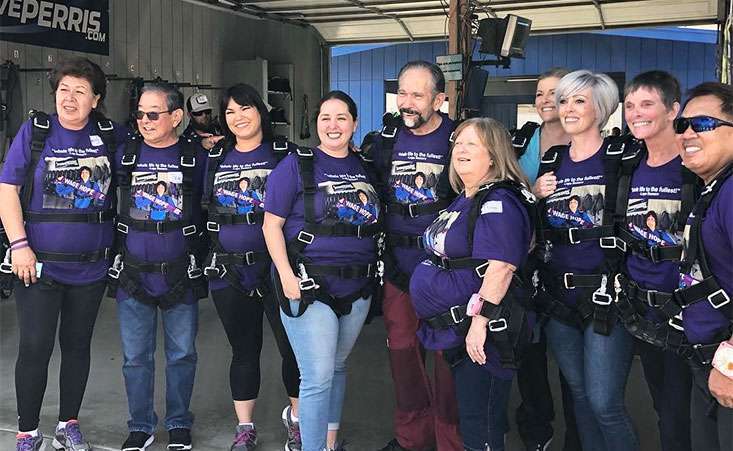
{"x": 394, "y": 445}
{"x": 179, "y": 439}
{"x": 137, "y": 441}
{"x": 538, "y": 446}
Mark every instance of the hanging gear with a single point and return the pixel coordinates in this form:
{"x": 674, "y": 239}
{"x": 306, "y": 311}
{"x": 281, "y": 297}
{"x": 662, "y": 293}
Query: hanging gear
{"x": 305, "y": 131}
{"x": 521, "y": 138}
{"x": 181, "y": 274}
{"x": 309, "y": 272}
{"x": 9, "y": 81}
{"x": 134, "y": 90}
{"x": 595, "y": 300}
{"x": 508, "y": 325}
{"x": 220, "y": 263}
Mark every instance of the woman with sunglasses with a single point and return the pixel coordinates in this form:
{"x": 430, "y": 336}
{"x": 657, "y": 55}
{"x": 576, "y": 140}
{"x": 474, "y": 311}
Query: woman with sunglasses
{"x": 54, "y": 189}
{"x": 325, "y": 262}
{"x": 238, "y": 265}
{"x": 705, "y": 134}
{"x": 593, "y": 352}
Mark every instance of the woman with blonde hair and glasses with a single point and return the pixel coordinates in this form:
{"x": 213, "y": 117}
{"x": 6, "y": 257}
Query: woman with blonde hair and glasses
{"x": 469, "y": 293}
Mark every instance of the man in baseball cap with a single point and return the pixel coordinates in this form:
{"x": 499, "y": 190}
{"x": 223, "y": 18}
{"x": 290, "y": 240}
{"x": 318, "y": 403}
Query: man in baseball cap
{"x": 201, "y": 126}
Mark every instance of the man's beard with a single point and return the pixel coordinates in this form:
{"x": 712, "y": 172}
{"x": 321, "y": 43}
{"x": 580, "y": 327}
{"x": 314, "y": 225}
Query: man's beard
{"x": 418, "y": 121}
{"x": 208, "y": 127}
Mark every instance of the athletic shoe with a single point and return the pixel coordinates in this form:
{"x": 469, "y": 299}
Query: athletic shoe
{"x": 293, "y": 428}
{"x": 70, "y": 438}
{"x": 27, "y": 442}
{"x": 179, "y": 439}
{"x": 137, "y": 441}
{"x": 245, "y": 438}
{"x": 394, "y": 445}
{"x": 539, "y": 446}
{"x": 339, "y": 446}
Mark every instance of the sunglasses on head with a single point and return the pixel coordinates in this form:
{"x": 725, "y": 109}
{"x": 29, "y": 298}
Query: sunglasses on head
{"x": 200, "y": 113}
{"x": 152, "y": 115}
{"x": 699, "y": 124}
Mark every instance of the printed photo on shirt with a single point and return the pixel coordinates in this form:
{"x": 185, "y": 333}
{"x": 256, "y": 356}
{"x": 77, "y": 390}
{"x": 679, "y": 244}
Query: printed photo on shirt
{"x": 350, "y": 202}
{"x": 156, "y": 196}
{"x": 240, "y": 192}
{"x": 654, "y": 220}
{"x": 414, "y": 182}
{"x": 76, "y": 183}
{"x": 577, "y": 207}
{"x": 436, "y": 232}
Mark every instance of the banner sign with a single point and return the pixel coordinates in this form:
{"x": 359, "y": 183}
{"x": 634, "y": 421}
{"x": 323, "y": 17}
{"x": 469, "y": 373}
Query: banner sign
{"x": 80, "y": 25}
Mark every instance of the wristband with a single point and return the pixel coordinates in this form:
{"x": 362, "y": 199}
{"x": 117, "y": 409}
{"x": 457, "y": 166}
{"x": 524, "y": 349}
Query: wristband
{"x": 19, "y": 240}
{"x": 19, "y": 246}
{"x": 723, "y": 359}
{"x": 475, "y": 304}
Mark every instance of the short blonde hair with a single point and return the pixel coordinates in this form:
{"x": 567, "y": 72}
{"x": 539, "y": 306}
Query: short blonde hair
{"x": 495, "y": 138}
{"x": 603, "y": 90}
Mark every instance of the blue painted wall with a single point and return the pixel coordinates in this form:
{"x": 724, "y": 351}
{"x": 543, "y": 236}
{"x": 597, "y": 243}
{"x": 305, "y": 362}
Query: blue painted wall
{"x": 362, "y": 73}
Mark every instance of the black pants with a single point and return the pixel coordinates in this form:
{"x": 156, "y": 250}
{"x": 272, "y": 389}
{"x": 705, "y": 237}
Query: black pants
{"x": 712, "y": 424}
{"x": 242, "y": 320}
{"x": 535, "y": 413}
{"x": 39, "y": 307}
{"x": 669, "y": 379}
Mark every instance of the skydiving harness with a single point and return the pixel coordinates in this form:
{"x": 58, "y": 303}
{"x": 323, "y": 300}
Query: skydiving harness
{"x": 595, "y": 303}
{"x": 522, "y": 136}
{"x": 181, "y": 273}
{"x": 220, "y": 263}
{"x": 631, "y": 298}
{"x": 507, "y": 326}
{"x": 308, "y": 272}
{"x": 41, "y": 127}
{"x": 390, "y": 129}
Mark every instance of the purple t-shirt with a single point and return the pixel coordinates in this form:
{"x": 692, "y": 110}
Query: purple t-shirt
{"x": 74, "y": 175}
{"x": 156, "y": 195}
{"x": 502, "y": 232}
{"x": 702, "y": 322}
{"x": 417, "y": 164}
{"x": 652, "y": 215}
{"x": 577, "y": 202}
{"x": 239, "y": 189}
{"x": 344, "y": 195}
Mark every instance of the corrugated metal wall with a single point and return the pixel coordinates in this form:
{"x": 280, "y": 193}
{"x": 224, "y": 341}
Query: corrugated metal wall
{"x": 362, "y": 74}
{"x": 179, "y": 42}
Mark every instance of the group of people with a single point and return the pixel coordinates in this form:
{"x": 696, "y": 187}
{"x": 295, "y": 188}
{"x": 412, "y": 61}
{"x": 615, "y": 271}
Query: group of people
{"x": 484, "y": 246}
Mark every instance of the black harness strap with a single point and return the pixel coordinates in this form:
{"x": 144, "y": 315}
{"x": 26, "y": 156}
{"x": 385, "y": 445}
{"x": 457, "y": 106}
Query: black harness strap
{"x": 522, "y": 137}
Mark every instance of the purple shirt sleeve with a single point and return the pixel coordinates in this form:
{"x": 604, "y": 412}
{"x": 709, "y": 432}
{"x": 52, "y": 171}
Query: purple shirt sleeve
{"x": 282, "y": 187}
{"x": 18, "y": 157}
{"x": 502, "y": 230}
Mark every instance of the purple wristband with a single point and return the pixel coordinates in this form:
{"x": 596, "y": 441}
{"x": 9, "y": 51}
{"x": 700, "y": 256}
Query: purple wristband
{"x": 19, "y": 240}
{"x": 19, "y": 246}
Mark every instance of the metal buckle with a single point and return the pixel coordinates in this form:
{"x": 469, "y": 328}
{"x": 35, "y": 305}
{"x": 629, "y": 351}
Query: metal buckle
{"x": 129, "y": 161}
{"x": 100, "y": 217}
{"x": 605, "y": 240}
{"x": 719, "y": 293}
{"x": 649, "y": 295}
{"x": 498, "y": 325}
{"x": 698, "y": 353}
{"x": 621, "y": 244}
{"x": 117, "y": 266}
{"x": 566, "y": 281}
{"x": 307, "y": 284}
{"x": 46, "y": 125}
{"x": 159, "y": 227}
{"x": 452, "y": 137}
{"x": 6, "y": 267}
{"x": 387, "y": 134}
{"x": 189, "y": 230}
{"x": 188, "y": 163}
{"x": 601, "y": 298}
{"x": 276, "y": 146}
{"x": 250, "y": 216}
{"x": 481, "y": 269}
{"x": 570, "y": 235}
{"x": 411, "y": 212}
{"x": 305, "y": 237}
{"x": 454, "y": 315}
{"x": 123, "y": 228}
{"x": 517, "y": 144}
{"x": 675, "y": 322}
{"x": 610, "y": 149}
{"x": 194, "y": 272}
{"x": 304, "y": 152}
{"x": 249, "y": 258}
{"x": 546, "y": 161}
{"x": 212, "y": 271}
{"x": 216, "y": 151}
{"x": 212, "y": 226}
{"x": 358, "y": 232}
{"x": 105, "y": 126}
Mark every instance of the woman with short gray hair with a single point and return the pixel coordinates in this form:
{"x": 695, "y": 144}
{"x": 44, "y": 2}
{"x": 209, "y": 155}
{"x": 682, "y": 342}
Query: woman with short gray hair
{"x": 577, "y": 263}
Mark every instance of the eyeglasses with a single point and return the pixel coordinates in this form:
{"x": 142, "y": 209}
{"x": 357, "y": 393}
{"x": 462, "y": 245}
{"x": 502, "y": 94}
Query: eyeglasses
{"x": 699, "y": 124}
{"x": 200, "y": 113}
{"x": 152, "y": 115}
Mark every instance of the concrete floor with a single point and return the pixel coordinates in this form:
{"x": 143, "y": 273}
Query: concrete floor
{"x": 367, "y": 413}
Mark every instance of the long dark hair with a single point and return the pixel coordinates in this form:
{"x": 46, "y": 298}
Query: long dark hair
{"x": 244, "y": 95}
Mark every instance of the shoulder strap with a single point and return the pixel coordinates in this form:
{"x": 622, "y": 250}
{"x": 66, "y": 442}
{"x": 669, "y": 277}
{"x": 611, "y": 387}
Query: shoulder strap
{"x": 520, "y": 191}
{"x": 41, "y": 127}
{"x": 308, "y": 178}
{"x": 106, "y": 130}
{"x": 522, "y": 137}
{"x": 188, "y": 165}
{"x": 630, "y": 160}
{"x": 281, "y": 147}
{"x": 552, "y": 158}
{"x": 691, "y": 188}
{"x": 217, "y": 154}
{"x": 614, "y": 149}
{"x": 125, "y": 169}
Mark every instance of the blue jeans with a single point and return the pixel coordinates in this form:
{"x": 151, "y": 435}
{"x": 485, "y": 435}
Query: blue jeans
{"x": 138, "y": 326}
{"x": 482, "y": 406}
{"x": 596, "y": 368}
{"x": 321, "y": 343}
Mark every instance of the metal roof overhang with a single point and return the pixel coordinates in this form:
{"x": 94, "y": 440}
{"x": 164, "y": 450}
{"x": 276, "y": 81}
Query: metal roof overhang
{"x": 353, "y": 21}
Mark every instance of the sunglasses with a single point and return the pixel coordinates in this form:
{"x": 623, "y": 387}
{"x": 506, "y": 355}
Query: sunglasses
{"x": 200, "y": 113}
{"x": 699, "y": 124}
{"x": 152, "y": 115}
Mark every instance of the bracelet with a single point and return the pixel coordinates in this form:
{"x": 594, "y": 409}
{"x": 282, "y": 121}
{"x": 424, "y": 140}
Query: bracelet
{"x": 19, "y": 240}
{"x": 19, "y": 246}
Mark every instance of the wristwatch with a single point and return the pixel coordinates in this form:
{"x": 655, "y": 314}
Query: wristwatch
{"x": 723, "y": 360}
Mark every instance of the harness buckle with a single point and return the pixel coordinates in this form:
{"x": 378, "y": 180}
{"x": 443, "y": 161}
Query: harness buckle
{"x": 280, "y": 145}
{"x": 481, "y": 269}
{"x": 600, "y": 297}
{"x": 452, "y": 137}
{"x": 116, "y": 268}
{"x": 194, "y": 272}
{"x": 129, "y": 159}
{"x": 498, "y": 325}
{"x": 188, "y": 161}
{"x": 307, "y": 284}
{"x": 571, "y": 238}
{"x": 675, "y": 322}
{"x": 45, "y": 125}
{"x": 212, "y": 226}
{"x": 411, "y": 212}
{"x": 105, "y": 126}
{"x": 189, "y": 230}
{"x": 250, "y": 216}
{"x": 6, "y": 267}
{"x": 249, "y": 258}
{"x": 650, "y": 294}
{"x": 517, "y": 143}
{"x": 305, "y": 237}
{"x": 455, "y": 313}
{"x": 608, "y": 242}
{"x": 389, "y": 132}
{"x": 216, "y": 151}
{"x": 567, "y": 282}
{"x": 615, "y": 148}
{"x": 722, "y": 299}
{"x": 160, "y": 227}
{"x": 123, "y": 228}
{"x": 304, "y": 152}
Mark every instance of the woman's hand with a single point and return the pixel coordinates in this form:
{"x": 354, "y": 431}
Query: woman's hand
{"x": 291, "y": 286}
{"x": 24, "y": 265}
{"x": 545, "y": 185}
{"x": 476, "y": 338}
